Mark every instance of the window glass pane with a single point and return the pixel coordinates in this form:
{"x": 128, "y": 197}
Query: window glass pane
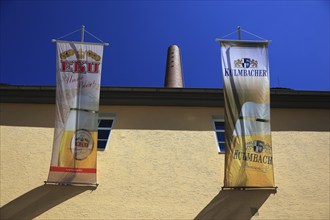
{"x": 219, "y": 125}
{"x": 222, "y": 147}
{"x": 103, "y": 134}
{"x": 101, "y": 144}
{"x": 220, "y": 136}
{"x": 105, "y": 123}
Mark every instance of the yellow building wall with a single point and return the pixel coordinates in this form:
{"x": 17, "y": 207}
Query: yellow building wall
{"x": 162, "y": 163}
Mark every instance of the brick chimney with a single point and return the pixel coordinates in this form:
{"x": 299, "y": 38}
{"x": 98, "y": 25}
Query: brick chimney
{"x": 174, "y": 75}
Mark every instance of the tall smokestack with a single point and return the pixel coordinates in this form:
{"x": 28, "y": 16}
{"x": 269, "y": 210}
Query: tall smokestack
{"x": 174, "y": 76}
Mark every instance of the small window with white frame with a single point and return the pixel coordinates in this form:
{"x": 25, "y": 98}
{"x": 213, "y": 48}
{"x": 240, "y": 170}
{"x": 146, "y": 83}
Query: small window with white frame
{"x": 105, "y": 125}
{"x": 219, "y": 128}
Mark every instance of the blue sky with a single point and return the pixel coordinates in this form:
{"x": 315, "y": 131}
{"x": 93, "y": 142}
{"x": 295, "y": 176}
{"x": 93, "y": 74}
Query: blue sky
{"x": 139, "y": 33}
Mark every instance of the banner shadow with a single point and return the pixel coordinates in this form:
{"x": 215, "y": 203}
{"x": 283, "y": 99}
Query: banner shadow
{"x": 235, "y": 204}
{"x": 39, "y": 200}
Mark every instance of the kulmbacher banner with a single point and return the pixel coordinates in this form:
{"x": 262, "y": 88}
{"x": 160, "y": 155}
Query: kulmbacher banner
{"x": 78, "y": 76}
{"x": 248, "y": 158}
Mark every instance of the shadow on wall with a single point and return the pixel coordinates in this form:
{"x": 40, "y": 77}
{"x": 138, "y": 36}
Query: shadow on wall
{"x": 165, "y": 118}
{"x": 39, "y": 200}
{"x": 235, "y": 204}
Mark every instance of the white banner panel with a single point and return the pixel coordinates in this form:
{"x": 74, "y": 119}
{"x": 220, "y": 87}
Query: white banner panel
{"x": 78, "y": 81}
{"x": 249, "y": 160}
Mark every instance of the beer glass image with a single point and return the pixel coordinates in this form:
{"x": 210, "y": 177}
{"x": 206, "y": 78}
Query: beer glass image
{"x": 254, "y": 119}
{"x": 78, "y": 145}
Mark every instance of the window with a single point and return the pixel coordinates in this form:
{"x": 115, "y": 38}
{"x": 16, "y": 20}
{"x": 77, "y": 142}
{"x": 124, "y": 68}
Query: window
{"x": 219, "y": 127}
{"x": 104, "y": 131}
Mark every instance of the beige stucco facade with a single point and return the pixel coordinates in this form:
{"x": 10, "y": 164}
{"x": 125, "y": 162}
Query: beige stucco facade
{"x": 162, "y": 163}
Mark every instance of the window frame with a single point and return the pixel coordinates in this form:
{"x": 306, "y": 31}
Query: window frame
{"x": 214, "y": 120}
{"x": 105, "y": 116}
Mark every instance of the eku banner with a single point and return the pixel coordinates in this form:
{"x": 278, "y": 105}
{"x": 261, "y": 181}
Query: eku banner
{"x": 78, "y": 78}
{"x": 248, "y": 157}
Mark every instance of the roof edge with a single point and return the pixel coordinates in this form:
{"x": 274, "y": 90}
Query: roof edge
{"x": 159, "y": 96}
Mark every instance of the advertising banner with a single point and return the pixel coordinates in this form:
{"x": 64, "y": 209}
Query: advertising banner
{"x": 248, "y": 157}
{"x": 78, "y": 78}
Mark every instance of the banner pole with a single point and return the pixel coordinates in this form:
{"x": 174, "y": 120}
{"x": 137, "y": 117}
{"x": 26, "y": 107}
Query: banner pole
{"x": 247, "y": 188}
{"x": 82, "y": 33}
{"x": 71, "y": 183}
{"x": 239, "y": 32}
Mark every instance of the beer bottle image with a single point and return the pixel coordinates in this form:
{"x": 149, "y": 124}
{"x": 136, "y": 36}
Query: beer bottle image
{"x": 78, "y": 146}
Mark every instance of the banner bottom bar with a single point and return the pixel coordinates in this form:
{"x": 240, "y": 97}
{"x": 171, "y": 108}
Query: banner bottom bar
{"x": 71, "y": 183}
{"x": 249, "y": 187}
